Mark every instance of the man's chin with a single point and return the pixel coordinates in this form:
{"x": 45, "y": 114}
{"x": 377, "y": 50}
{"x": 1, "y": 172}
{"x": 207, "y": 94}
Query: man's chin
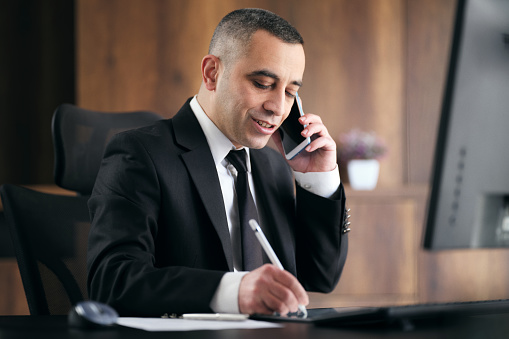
{"x": 258, "y": 143}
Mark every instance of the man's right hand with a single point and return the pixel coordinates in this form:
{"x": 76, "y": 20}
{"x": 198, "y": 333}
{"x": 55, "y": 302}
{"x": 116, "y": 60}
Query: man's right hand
{"x": 269, "y": 289}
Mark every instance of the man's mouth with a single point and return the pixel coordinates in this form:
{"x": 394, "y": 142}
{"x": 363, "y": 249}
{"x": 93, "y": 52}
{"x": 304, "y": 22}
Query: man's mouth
{"x": 264, "y": 124}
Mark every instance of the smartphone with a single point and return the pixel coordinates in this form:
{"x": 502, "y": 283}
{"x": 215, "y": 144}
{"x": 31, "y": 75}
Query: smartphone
{"x": 290, "y": 131}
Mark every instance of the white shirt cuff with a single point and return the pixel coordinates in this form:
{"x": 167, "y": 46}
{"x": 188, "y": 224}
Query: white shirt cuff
{"x": 226, "y": 298}
{"x": 324, "y": 184}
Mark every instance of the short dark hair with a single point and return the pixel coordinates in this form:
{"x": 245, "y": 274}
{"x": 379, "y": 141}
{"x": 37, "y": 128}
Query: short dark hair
{"x": 239, "y": 26}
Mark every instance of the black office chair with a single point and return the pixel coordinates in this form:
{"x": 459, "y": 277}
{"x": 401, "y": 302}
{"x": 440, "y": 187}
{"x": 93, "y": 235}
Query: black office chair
{"x": 49, "y": 234}
{"x": 79, "y": 138}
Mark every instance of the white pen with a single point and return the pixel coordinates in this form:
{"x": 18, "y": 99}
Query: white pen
{"x": 215, "y": 316}
{"x": 271, "y": 254}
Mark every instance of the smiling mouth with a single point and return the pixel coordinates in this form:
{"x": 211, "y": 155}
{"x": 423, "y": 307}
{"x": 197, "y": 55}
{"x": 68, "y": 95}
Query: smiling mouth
{"x": 264, "y": 124}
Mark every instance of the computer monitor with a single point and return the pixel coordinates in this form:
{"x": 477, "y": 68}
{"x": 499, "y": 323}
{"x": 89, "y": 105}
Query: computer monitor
{"x": 469, "y": 200}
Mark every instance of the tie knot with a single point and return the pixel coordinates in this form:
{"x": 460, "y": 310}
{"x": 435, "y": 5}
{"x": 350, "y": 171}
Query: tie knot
{"x": 238, "y": 160}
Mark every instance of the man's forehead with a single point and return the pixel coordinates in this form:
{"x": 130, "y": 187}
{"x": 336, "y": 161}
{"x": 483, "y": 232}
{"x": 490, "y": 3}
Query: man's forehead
{"x": 269, "y": 56}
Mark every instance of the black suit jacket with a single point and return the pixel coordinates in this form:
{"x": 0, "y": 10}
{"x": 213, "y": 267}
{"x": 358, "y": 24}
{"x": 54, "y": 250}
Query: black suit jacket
{"x": 159, "y": 241}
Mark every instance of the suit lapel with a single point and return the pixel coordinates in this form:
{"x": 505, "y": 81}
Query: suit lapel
{"x": 200, "y": 164}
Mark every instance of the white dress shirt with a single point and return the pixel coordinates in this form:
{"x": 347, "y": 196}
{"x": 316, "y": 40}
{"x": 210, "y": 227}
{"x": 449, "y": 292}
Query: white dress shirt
{"x": 324, "y": 184}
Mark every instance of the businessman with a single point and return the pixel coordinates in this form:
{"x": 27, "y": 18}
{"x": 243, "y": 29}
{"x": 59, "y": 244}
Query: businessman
{"x": 166, "y": 212}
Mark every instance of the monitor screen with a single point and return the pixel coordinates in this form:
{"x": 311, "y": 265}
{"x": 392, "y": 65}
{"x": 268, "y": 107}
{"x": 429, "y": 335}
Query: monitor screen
{"x": 469, "y": 200}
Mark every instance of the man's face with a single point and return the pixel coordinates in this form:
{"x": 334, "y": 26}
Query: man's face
{"x": 255, "y": 95}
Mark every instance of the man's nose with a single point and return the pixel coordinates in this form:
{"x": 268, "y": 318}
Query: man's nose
{"x": 275, "y": 103}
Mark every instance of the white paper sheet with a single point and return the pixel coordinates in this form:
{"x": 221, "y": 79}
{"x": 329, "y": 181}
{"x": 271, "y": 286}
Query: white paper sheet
{"x": 169, "y": 324}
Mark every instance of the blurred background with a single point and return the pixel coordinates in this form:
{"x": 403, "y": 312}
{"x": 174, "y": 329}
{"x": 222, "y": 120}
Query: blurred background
{"x": 376, "y": 65}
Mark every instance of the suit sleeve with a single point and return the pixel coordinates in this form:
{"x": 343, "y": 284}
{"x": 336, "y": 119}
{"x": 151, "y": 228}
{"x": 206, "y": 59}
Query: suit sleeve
{"x": 321, "y": 245}
{"x": 122, "y": 269}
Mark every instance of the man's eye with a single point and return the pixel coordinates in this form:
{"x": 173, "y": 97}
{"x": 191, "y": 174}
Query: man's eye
{"x": 259, "y": 85}
{"x": 290, "y": 95}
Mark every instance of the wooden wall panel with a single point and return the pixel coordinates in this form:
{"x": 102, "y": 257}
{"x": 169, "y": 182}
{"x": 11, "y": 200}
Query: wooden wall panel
{"x": 146, "y": 55}
{"x": 429, "y": 29}
{"x": 464, "y": 275}
{"x": 382, "y": 265}
{"x": 12, "y": 294}
{"x": 355, "y": 71}
{"x": 376, "y": 242}
{"x": 135, "y": 54}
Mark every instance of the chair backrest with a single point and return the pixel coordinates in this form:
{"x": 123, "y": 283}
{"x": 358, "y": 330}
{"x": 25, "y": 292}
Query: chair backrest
{"x": 49, "y": 234}
{"x": 79, "y": 139}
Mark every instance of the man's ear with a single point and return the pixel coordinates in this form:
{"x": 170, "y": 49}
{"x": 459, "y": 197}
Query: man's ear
{"x": 209, "y": 71}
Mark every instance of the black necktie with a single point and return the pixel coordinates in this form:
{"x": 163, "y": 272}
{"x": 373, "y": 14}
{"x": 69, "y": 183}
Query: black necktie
{"x": 251, "y": 248}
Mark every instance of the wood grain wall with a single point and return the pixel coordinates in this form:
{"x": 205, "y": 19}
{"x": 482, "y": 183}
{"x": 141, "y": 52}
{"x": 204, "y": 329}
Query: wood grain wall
{"x": 146, "y": 55}
{"x": 428, "y": 27}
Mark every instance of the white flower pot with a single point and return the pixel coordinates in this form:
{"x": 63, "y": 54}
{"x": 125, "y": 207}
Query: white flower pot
{"x": 363, "y": 174}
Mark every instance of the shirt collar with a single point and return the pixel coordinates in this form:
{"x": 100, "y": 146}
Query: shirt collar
{"x": 219, "y": 144}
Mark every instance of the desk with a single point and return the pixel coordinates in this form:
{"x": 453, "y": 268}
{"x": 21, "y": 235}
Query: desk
{"x": 55, "y": 327}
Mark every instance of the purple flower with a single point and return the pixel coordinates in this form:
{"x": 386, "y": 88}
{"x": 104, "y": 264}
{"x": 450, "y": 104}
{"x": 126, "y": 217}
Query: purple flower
{"x": 357, "y": 144}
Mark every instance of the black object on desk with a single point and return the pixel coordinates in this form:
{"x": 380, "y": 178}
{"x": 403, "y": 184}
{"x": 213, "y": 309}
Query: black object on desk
{"x": 56, "y": 327}
{"x": 404, "y": 317}
{"x": 92, "y": 314}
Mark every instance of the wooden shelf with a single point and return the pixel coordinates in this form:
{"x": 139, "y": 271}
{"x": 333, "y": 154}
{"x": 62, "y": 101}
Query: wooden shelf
{"x": 45, "y": 188}
{"x": 407, "y": 191}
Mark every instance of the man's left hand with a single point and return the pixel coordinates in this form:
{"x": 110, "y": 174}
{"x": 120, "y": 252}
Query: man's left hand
{"x": 320, "y": 155}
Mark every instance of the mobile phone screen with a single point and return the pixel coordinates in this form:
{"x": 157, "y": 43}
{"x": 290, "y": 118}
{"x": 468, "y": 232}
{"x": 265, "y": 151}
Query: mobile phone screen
{"x": 290, "y": 130}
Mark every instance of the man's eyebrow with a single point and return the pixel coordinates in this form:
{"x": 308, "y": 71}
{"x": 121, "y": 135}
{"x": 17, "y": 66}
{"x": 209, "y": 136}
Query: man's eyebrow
{"x": 267, "y": 73}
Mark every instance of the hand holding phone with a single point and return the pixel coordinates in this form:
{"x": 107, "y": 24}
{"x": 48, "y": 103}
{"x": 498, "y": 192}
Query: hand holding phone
{"x": 290, "y": 131}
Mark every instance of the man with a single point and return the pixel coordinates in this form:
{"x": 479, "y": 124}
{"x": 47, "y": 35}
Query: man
{"x": 164, "y": 208}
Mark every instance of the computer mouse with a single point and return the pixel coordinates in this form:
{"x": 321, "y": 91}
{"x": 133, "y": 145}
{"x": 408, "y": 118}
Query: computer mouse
{"x": 92, "y": 314}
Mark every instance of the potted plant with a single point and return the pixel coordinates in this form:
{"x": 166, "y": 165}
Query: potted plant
{"x": 361, "y": 151}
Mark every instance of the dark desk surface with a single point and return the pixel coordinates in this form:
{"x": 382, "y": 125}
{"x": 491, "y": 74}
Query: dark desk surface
{"x": 55, "y": 327}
